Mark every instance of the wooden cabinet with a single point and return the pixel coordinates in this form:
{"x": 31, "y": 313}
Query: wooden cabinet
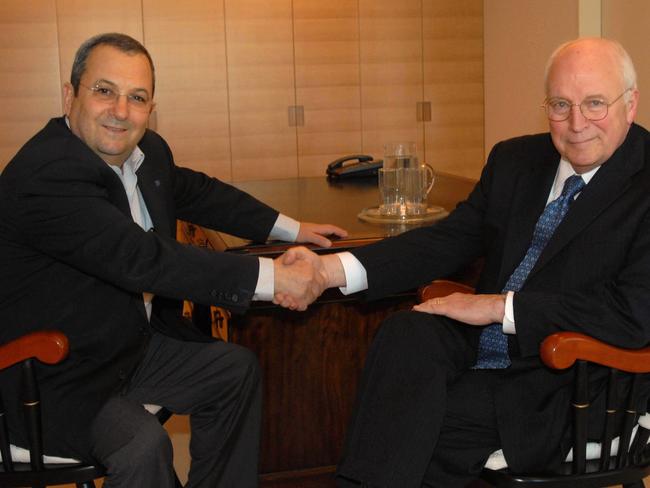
{"x": 453, "y": 85}
{"x": 252, "y": 89}
{"x": 259, "y": 37}
{"x": 327, "y": 71}
{"x": 189, "y": 51}
{"x": 391, "y": 72}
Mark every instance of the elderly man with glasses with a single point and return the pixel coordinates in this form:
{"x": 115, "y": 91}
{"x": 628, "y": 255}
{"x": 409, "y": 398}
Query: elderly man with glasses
{"x": 561, "y": 221}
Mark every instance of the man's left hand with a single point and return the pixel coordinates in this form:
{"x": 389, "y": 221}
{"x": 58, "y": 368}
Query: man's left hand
{"x": 467, "y": 308}
{"x": 315, "y": 233}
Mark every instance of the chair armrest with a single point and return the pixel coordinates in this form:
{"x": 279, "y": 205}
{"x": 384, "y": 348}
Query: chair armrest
{"x": 49, "y": 347}
{"x": 442, "y": 288}
{"x": 561, "y": 350}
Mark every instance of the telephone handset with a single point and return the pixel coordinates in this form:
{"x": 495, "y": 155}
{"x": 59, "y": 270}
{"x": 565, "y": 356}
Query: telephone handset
{"x": 358, "y": 165}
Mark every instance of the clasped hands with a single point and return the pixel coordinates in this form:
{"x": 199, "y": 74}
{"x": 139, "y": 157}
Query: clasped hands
{"x": 301, "y": 276}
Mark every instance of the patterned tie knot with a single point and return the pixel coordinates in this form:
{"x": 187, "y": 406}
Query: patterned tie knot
{"x": 572, "y": 185}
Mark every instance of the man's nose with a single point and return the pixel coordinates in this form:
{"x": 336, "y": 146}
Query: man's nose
{"x": 121, "y": 106}
{"x": 577, "y": 121}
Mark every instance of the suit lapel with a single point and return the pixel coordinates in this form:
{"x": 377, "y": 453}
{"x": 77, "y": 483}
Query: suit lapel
{"x": 607, "y": 185}
{"x": 529, "y": 199}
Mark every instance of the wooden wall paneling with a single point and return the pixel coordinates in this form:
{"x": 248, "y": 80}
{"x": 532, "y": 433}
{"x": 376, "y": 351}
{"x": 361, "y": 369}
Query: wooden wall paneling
{"x": 188, "y": 46}
{"x": 391, "y": 72}
{"x": 453, "y": 83}
{"x": 327, "y": 81}
{"x": 80, "y": 19}
{"x": 29, "y": 72}
{"x": 259, "y": 40}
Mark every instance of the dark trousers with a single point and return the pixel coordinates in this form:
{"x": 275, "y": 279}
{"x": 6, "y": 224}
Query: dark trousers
{"x": 217, "y": 384}
{"x": 423, "y": 418}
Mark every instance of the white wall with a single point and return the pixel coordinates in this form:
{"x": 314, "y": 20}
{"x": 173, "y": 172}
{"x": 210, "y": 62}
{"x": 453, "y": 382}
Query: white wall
{"x": 521, "y": 34}
{"x": 628, "y": 22}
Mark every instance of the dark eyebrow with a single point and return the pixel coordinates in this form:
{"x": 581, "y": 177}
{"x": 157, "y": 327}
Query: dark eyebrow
{"x": 109, "y": 82}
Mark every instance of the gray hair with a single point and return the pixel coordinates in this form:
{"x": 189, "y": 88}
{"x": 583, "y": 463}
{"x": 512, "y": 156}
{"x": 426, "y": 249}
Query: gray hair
{"x": 122, "y": 42}
{"x": 628, "y": 72}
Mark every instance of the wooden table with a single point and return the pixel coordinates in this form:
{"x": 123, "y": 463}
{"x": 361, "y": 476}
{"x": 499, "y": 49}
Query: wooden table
{"x": 311, "y": 361}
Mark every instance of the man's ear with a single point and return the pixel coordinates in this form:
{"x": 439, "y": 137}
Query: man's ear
{"x": 632, "y": 106}
{"x": 68, "y": 95}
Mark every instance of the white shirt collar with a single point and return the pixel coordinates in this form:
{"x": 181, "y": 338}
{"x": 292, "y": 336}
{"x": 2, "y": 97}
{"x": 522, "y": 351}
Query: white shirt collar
{"x": 565, "y": 170}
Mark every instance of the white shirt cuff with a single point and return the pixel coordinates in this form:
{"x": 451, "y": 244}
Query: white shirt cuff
{"x": 509, "y": 316}
{"x": 285, "y": 229}
{"x": 356, "y": 278}
{"x": 264, "y": 290}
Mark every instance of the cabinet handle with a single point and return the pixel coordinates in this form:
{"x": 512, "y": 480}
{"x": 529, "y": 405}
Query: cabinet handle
{"x": 423, "y": 111}
{"x": 296, "y": 116}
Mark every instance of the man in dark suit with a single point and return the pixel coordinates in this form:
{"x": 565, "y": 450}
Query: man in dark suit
{"x": 88, "y": 211}
{"x": 561, "y": 252}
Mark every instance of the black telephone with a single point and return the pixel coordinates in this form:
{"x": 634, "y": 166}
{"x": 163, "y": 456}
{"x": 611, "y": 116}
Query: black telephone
{"x": 359, "y": 165}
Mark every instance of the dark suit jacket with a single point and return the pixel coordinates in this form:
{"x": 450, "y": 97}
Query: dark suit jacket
{"x": 71, "y": 258}
{"x": 593, "y": 276}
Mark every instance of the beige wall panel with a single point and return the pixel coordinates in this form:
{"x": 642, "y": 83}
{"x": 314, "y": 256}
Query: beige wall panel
{"x": 327, "y": 81}
{"x": 80, "y": 19}
{"x": 453, "y": 83}
{"x": 29, "y": 72}
{"x": 187, "y": 42}
{"x": 627, "y": 21}
{"x": 391, "y": 72}
{"x": 518, "y": 41}
{"x": 259, "y": 40}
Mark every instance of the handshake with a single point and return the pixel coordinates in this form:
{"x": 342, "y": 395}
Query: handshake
{"x": 301, "y": 276}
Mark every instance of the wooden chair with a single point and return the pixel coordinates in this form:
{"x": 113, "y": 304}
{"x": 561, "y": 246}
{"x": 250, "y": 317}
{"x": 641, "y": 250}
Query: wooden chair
{"x": 629, "y": 465}
{"x": 20, "y": 467}
{"x": 49, "y": 347}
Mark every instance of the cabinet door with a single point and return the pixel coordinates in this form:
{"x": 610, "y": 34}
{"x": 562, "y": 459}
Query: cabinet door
{"x": 259, "y": 40}
{"x": 391, "y": 72}
{"x": 453, "y": 85}
{"x": 326, "y": 40}
{"x": 29, "y": 72}
{"x": 187, "y": 43}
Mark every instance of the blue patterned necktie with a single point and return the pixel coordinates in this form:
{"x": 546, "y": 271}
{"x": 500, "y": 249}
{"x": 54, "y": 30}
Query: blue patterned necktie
{"x": 493, "y": 343}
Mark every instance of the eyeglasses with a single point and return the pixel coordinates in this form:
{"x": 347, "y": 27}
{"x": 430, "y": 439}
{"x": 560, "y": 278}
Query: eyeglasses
{"x": 108, "y": 94}
{"x": 592, "y": 108}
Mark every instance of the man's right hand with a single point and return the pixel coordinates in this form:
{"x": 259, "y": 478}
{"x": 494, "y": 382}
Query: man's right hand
{"x": 300, "y": 278}
{"x": 327, "y": 272}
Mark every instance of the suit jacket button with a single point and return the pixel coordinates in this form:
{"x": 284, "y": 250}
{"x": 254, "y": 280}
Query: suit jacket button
{"x": 235, "y": 298}
{"x": 121, "y": 374}
{"x": 213, "y": 293}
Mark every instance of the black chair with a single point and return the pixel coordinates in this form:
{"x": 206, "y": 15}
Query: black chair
{"x": 50, "y": 347}
{"x": 564, "y": 350}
